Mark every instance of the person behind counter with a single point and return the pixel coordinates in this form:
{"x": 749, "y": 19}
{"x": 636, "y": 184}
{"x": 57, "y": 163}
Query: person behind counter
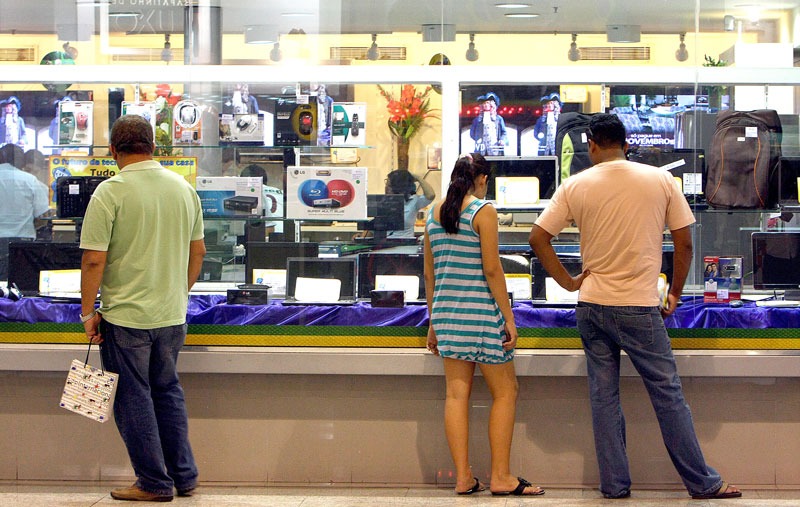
{"x": 403, "y": 182}
{"x": 621, "y": 209}
{"x": 471, "y": 322}
{"x": 142, "y": 242}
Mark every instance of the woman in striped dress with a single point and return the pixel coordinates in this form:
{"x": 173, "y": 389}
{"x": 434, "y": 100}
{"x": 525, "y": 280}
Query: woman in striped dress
{"x": 471, "y": 322}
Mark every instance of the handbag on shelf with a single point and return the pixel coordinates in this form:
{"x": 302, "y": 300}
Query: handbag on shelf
{"x": 89, "y": 391}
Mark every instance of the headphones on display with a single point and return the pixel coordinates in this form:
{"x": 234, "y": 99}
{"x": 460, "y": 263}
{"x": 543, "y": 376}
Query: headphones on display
{"x": 11, "y": 292}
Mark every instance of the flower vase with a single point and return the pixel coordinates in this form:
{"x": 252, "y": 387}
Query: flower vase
{"x": 402, "y": 153}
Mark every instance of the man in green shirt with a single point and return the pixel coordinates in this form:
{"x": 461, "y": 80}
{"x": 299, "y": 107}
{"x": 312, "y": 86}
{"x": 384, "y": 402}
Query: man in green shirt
{"x": 143, "y": 248}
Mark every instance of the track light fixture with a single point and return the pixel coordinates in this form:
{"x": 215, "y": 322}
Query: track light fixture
{"x": 373, "y": 53}
{"x": 166, "y": 53}
{"x": 574, "y": 54}
{"x": 275, "y": 53}
{"x": 472, "y": 53}
{"x": 682, "y": 54}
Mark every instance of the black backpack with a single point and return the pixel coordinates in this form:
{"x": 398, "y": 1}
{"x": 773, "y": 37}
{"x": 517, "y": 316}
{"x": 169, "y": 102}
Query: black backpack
{"x": 743, "y": 160}
{"x": 572, "y": 145}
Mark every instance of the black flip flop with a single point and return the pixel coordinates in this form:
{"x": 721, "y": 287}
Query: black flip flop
{"x": 722, "y": 492}
{"x": 520, "y": 489}
{"x": 476, "y": 488}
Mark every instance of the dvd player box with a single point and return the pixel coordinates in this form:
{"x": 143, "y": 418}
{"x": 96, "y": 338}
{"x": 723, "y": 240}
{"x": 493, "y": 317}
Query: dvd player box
{"x": 326, "y": 193}
{"x": 230, "y": 196}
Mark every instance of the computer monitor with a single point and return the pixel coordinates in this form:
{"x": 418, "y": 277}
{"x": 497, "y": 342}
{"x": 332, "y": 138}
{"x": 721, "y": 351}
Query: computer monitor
{"x": 260, "y": 256}
{"x": 386, "y": 212}
{"x": 776, "y": 262}
{"x": 374, "y": 264}
{"x": 26, "y": 259}
{"x": 514, "y": 181}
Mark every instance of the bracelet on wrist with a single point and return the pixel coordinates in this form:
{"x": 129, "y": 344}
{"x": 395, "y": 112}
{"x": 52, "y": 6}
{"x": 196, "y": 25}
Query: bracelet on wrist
{"x": 89, "y": 316}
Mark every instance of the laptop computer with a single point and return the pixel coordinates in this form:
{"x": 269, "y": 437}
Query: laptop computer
{"x": 26, "y": 259}
{"x": 316, "y": 281}
{"x": 392, "y": 271}
{"x": 522, "y": 183}
{"x": 265, "y": 262}
{"x": 60, "y": 284}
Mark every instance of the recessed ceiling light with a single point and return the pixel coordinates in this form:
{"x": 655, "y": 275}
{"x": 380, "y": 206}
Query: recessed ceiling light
{"x": 123, "y": 14}
{"x": 295, "y": 14}
{"x": 511, "y": 5}
{"x": 521, "y": 15}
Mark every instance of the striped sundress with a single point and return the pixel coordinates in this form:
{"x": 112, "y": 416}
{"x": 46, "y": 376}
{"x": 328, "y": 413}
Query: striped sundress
{"x": 465, "y": 316}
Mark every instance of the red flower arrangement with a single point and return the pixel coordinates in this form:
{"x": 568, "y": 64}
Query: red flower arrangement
{"x": 407, "y": 114}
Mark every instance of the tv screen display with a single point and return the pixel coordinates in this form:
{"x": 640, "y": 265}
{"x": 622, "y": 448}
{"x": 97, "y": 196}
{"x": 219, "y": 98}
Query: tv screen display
{"x": 38, "y": 111}
{"x": 776, "y": 260}
{"x": 513, "y": 170}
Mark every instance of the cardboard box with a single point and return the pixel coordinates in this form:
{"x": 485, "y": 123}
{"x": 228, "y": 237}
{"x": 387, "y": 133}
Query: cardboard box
{"x": 75, "y": 123}
{"x": 242, "y": 128}
{"x": 722, "y": 279}
{"x": 187, "y": 120}
{"x": 349, "y": 125}
{"x": 229, "y": 196}
{"x": 326, "y": 193}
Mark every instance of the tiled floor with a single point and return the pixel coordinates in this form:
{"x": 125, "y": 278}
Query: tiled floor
{"x": 56, "y": 495}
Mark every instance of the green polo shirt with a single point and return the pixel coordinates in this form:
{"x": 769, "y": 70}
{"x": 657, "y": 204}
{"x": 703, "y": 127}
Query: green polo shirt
{"x": 144, "y": 217}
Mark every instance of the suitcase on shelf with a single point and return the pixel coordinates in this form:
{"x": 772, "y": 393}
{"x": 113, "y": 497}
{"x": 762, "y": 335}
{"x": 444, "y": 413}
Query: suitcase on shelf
{"x": 743, "y": 160}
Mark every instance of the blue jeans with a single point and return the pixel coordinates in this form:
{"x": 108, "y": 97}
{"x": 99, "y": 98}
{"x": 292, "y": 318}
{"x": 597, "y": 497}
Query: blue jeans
{"x": 640, "y": 332}
{"x": 149, "y": 409}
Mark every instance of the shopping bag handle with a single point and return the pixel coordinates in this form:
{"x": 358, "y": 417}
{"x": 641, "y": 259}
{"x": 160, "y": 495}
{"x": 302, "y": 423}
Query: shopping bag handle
{"x": 86, "y": 361}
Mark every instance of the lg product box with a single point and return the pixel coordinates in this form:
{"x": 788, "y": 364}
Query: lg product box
{"x": 295, "y": 121}
{"x": 75, "y": 123}
{"x": 229, "y": 196}
{"x": 242, "y": 128}
{"x": 326, "y": 193}
{"x": 187, "y": 119}
{"x": 722, "y": 279}
{"x": 349, "y": 125}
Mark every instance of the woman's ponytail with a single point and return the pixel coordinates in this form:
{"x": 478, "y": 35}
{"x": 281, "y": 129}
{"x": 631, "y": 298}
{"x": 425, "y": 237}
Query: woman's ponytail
{"x": 461, "y": 182}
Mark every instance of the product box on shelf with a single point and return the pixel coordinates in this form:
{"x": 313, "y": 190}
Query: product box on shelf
{"x": 722, "y": 278}
{"x": 349, "y": 126}
{"x": 296, "y": 121}
{"x": 242, "y": 128}
{"x": 187, "y": 120}
{"x": 326, "y": 193}
{"x": 146, "y": 110}
{"x": 230, "y": 196}
{"x": 75, "y": 123}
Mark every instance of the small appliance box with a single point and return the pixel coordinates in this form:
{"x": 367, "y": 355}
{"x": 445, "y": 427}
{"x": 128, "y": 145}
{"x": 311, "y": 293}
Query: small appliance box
{"x": 242, "y": 128}
{"x": 75, "y": 123}
{"x": 230, "y": 196}
{"x": 187, "y": 120}
{"x": 326, "y": 193}
{"x": 722, "y": 278}
{"x": 349, "y": 125}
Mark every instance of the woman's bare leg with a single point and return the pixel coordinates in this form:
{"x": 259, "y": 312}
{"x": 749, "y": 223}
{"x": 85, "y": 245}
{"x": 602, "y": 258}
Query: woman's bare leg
{"x": 459, "y": 375}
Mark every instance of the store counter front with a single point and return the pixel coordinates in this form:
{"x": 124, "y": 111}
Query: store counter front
{"x": 212, "y": 322}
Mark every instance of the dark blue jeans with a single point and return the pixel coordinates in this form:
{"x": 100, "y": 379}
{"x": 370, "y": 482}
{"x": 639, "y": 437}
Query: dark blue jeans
{"x": 149, "y": 409}
{"x": 640, "y": 332}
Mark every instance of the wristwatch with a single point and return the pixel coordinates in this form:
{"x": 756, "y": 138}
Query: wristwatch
{"x": 89, "y": 316}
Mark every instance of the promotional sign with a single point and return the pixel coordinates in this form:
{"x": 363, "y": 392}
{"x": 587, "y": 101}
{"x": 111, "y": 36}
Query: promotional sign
{"x": 230, "y": 196}
{"x": 349, "y": 124}
{"x": 187, "y": 123}
{"x": 106, "y": 166}
{"x": 326, "y": 193}
{"x": 75, "y": 123}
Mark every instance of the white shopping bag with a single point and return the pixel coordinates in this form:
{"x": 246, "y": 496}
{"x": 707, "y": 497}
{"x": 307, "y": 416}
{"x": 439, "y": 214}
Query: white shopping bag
{"x": 89, "y": 391}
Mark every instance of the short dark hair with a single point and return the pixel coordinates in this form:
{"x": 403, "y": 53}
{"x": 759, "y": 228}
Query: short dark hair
{"x": 132, "y": 134}
{"x": 12, "y": 154}
{"x": 607, "y": 131}
{"x": 401, "y": 181}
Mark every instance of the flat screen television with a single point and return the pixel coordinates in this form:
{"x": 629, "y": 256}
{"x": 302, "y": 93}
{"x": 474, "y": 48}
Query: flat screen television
{"x": 776, "y": 262}
{"x": 26, "y": 259}
{"x": 511, "y": 186}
